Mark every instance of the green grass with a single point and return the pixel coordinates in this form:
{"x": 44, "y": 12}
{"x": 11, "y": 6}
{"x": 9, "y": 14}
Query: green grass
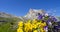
{"x": 7, "y": 26}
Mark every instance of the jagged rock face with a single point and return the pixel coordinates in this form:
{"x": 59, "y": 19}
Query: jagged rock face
{"x": 33, "y": 14}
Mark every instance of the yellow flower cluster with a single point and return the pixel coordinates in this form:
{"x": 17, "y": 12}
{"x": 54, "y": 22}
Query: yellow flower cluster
{"x": 31, "y": 26}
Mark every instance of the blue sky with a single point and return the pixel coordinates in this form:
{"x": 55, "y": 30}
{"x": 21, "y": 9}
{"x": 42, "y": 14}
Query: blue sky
{"x": 21, "y": 7}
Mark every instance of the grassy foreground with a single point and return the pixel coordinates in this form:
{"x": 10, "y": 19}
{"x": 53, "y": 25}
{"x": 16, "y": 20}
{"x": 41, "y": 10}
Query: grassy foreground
{"x": 8, "y": 25}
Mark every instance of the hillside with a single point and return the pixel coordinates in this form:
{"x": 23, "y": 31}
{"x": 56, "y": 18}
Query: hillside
{"x": 8, "y": 22}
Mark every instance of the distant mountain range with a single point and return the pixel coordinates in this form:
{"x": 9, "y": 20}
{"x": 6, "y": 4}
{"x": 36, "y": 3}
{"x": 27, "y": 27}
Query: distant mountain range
{"x": 6, "y": 15}
{"x": 32, "y": 14}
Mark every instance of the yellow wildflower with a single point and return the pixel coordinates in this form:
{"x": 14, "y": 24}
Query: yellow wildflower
{"x": 34, "y": 26}
{"x": 35, "y": 31}
{"x": 19, "y": 30}
{"x": 28, "y": 26}
{"x": 42, "y": 30}
{"x": 20, "y": 24}
{"x": 34, "y": 21}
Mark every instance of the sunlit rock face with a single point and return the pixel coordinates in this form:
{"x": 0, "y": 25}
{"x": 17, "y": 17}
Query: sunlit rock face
{"x": 33, "y": 13}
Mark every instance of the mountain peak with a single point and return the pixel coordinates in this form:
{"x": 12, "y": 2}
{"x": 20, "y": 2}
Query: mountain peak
{"x": 33, "y": 13}
{"x": 41, "y": 11}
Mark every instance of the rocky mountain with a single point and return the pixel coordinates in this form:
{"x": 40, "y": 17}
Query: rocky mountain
{"x": 33, "y": 14}
{"x": 6, "y": 15}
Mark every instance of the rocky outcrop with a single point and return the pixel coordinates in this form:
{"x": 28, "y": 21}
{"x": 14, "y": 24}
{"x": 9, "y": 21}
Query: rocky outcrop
{"x": 33, "y": 14}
